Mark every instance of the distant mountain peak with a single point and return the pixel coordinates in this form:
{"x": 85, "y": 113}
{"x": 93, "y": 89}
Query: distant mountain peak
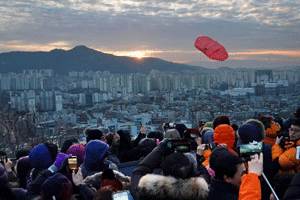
{"x": 81, "y": 48}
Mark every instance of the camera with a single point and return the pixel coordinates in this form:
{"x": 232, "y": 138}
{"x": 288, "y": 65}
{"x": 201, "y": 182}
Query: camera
{"x": 247, "y": 150}
{"x": 169, "y": 125}
{"x": 210, "y": 146}
{"x": 179, "y": 145}
{"x": 285, "y": 138}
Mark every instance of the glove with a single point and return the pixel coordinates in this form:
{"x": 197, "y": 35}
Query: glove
{"x": 60, "y": 161}
{"x": 163, "y": 147}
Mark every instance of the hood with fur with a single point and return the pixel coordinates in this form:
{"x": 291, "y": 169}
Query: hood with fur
{"x": 152, "y": 186}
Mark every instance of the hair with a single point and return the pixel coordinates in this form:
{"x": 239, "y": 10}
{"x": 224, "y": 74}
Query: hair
{"x": 105, "y": 193}
{"x": 53, "y": 149}
{"x": 67, "y": 143}
{"x": 235, "y": 127}
{"x": 125, "y": 140}
{"x": 156, "y": 135}
{"x": 109, "y": 138}
{"x": 296, "y": 122}
{"x": 22, "y": 153}
{"x": 230, "y": 172}
{"x": 92, "y": 134}
{"x": 297, "y": 114}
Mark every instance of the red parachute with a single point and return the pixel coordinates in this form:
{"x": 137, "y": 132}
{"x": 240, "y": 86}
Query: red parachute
{"x": 211, "y": 48}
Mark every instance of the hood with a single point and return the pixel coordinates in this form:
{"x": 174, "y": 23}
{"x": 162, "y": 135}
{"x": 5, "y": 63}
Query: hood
{"x": 154, "y": 186}
{"x": 40, "y": 157}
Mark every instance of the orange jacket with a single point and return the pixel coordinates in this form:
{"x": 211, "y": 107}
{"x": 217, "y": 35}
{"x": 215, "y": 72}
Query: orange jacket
{"x": 287, "y": 158}
{"x": 250, "y": 187}
{"x": 206, "y": 155}
{"x": 271, "y": 135}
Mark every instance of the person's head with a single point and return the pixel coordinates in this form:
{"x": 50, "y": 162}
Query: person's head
{"x": 77, "y": 150}
{"x": 224, "y": 134}
{"x": 57, "y": 185}
{"x": 95, "y": 153}
{"x": 252, "y": 130}
{"x": 177, "y": 165}
{"x": 222, "y": 119}
{"x": 294, "y": 130}
{"x": 172, "y": 133}
{"x": 156, "y": 135}
{"x": 228, "y": 166}
{"x": 43, "y": 155}
{"x": 22, "y": 153}
{"x": 22, "y": 168}
{"x": 112, "y": 138}
{"x": 207, "y": 135}
{"x": 67, "y": 144}
{"x": 93, "y": 134}
{"x": 105, "y": 193}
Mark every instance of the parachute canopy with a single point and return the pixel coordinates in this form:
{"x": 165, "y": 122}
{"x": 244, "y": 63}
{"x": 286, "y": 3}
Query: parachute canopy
{"x": 211, "y": 48}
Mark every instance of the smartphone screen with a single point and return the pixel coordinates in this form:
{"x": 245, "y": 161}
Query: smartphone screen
{"x": 298, "y": 152}
{"x": 250, "y": 149}
{"x": 120, "y": 196}
{"x": 72, "y": 162}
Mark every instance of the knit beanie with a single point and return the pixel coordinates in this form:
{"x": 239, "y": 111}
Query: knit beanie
{"x": 23, "y": 166}
{"x": 252, "y": 130}
{"x": 172, "y": 133}
{"x": 208, "y": 124}
{"x": 177, "y": 165}
{"x": 95, "y": 151}
{"x": 77, "y": 150}
{"x": 3, "y": 176}
{"x": 41, "y": 157}
{"x": 208, "y": 137}
{"x": 57, "y": 185}
{"x": 224, "y": 134}
{"x": 222, "y": 119}
{"x": 214, "y": 156}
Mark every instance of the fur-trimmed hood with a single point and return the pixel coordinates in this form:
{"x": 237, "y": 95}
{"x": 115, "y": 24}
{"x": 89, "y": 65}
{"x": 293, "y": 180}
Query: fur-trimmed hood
{"x": 158, "y": 187}
{"x": 98, "y": 177}
{"x": 252, "y": 130}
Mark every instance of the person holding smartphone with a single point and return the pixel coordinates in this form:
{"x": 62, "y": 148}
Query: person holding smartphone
{"x": 286, "y": 157}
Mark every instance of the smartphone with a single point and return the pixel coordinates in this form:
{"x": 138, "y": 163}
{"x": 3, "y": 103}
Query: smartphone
{"x": 247, "y": 150}
{"x": 298, "y": 152}
{"x": 72, "y": 163}
{"x": 124, "y": 195}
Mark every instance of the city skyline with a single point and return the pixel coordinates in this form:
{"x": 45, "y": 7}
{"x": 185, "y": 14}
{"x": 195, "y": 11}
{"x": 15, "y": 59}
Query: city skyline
{"x": 250, "y": 31}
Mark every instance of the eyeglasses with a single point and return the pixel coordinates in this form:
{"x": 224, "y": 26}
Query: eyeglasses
{"x": 294, "y": 130}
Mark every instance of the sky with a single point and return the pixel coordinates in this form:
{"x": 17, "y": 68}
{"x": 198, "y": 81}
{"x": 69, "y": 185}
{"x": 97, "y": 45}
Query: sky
{"x": 250, "y": 30}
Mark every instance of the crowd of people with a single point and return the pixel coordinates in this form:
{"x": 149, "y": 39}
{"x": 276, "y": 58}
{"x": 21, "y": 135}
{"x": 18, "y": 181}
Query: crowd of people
{"x": 259, "y": 159}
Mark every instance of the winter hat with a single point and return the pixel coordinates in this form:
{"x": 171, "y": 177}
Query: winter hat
{"x": 177, "y": 165}
{"x": 215, "y": 154}
{"x": 224, "y": 133}
{"x": 23, "y": 166}
{"x": 156, "y": 135}
{"x": 77, "y": 150}
{"x": 65, "y": 146}
{"x": 172, "y": 133}
{"x": 41, "y": 157}
{"x": 224, "y": 162}
{"x": 208, "y": 124}
{"x": 3, "y": 176}
{"x": 208, "y": 137}
{"x": 252, "y": 130}
{"x": 57, "y": 185}
{"x": 222, "y": 119}
{"x": 95, "y": 151}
